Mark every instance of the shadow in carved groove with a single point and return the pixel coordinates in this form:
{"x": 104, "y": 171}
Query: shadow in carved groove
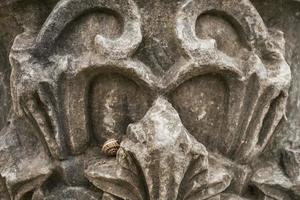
{"x": 114, "y": 102}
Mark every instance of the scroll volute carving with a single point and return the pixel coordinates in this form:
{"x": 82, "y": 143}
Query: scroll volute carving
{"x": 191, "y": 132}
{"x": 251, "y": 79}
{"x": 62, "y": 83}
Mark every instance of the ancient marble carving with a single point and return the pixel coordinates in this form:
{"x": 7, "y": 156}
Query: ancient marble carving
{"x": 193, "y": 98}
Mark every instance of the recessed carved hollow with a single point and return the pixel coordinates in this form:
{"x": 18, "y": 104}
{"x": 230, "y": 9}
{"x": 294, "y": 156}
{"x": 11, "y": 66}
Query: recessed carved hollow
{"x": 202, "y": 104}
{"x": 229, "y": 36}
{"x": 114, "y": 102}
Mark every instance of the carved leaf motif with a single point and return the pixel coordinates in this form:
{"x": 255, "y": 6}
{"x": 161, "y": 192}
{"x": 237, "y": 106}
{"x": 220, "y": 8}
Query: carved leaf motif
{"x": 159, "y": 161}
{"x": 162, "y": 156}
{"x": 255, "y": 88}
{"x": 273, "y": 182}
{"x": 116, "y": 178}
{"x": 218, "y": 180}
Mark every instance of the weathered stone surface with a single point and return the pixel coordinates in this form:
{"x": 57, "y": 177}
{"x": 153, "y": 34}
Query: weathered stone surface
{"x": 273, "y": 183}
{"x": 24, "y": 163}
{"x": 72, "y": 193}
{"x": 173, "y": 164}
{"x": 291, "y": 162}
{"x": 194, "y": 91}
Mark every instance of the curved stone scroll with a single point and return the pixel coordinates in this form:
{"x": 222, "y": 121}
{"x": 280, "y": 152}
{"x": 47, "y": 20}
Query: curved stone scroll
{"x": 242, "y": 13}
{"x": 61, "y": 73}
{"x": 256, "y": 86}
{"x": 67, "y": 11}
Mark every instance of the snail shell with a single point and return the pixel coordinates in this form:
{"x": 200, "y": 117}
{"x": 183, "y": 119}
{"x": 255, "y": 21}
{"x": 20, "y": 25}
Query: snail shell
{"x": 110, "y": 147}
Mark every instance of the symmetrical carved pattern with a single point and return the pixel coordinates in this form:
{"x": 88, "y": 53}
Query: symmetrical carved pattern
{"x": 192, "y": 132}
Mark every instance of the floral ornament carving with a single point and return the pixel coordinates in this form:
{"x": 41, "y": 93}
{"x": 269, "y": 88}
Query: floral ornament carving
{"x": 77, "y": 98}
{"x": 159, "y": 159}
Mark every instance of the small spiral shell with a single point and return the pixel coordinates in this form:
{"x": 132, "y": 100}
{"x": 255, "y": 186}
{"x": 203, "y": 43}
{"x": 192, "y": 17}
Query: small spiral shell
{"x": 110, "y": 147}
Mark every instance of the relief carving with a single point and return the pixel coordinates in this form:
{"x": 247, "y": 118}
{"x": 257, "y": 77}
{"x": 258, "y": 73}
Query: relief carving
{"x": 194, "y": 129}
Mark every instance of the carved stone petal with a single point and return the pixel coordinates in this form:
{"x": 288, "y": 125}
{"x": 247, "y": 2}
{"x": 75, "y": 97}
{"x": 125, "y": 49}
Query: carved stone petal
{"x": 165, "y": 151}
{"x": 112, "y": 178}
{"x": 219, "y": 180}
{"x": 23, "y": 162}
{"x": 273, "y": 183}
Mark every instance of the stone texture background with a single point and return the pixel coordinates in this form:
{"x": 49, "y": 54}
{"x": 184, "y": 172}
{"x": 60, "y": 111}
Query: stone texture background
{"x": 15, "y": 16}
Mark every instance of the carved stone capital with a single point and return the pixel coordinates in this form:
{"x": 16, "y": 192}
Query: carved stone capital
{"x": 192, "y": 90}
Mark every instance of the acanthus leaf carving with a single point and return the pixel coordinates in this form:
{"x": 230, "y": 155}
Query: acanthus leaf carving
{"x": 166, "y": 123}
{"x": 181, "y": 172}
